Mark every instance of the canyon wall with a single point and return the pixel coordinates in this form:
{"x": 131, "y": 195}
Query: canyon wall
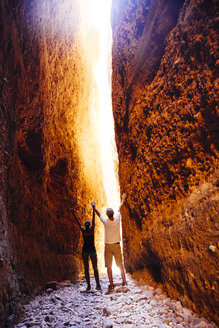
{"x": 49, "y": 149}
{"x": 165, "y": 104}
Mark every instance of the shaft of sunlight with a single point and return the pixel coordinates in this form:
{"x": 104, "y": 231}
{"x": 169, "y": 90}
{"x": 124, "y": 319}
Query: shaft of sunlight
{"x": 101, "y": 14}
{"x": 106, "y": 122}
{"x": 95, "y": 19}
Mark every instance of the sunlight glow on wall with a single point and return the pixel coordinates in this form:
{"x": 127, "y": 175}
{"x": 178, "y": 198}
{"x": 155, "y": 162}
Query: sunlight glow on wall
{"x": 77, "y": 61}
{"x": 89, "y": 23}
{"x": 96, "y": 38}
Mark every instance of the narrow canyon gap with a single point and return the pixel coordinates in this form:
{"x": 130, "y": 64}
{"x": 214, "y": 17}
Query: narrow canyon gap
{"x": 164, "y": 96}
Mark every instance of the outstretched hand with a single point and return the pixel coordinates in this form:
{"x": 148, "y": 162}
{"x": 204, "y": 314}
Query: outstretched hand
{"x": 122, "y": 202}
{"x": 93, "y": 204}
{"x": 124, "y": 195}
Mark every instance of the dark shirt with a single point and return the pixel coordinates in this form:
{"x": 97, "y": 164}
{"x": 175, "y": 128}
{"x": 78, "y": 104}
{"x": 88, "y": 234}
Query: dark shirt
{"x": 88, "y": 236}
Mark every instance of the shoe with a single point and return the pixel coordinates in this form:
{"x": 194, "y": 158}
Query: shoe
{"x": 111, "y": 288}
{"x": 124, "y": 284}
{"x": 88, "y": 288}
{"x": 98, "y": 287}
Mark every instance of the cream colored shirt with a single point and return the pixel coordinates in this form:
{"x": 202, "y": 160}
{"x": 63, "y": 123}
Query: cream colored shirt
{"x": 112, "y": 229}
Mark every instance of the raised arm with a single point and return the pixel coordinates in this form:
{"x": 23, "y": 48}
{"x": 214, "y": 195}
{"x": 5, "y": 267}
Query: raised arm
{"x": 122, "y": 202}
{"x": 93, "y": 219}
{"x": 76, "y": 218}
{"x": 95, "y": 209}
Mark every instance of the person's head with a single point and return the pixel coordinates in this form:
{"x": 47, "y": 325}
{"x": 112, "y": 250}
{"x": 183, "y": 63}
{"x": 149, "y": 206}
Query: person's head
{"x": 109, "y": 212}
{"x": 87, "y": 224}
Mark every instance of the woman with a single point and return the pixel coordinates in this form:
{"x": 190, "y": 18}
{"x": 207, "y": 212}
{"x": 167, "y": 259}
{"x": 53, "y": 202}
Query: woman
{"x": 89, "y": 249}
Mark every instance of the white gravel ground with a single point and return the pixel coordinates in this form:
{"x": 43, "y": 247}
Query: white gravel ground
{"x": 132, "y": 306}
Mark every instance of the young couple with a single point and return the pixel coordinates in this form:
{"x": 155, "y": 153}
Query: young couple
{"x": 112, "y": 245}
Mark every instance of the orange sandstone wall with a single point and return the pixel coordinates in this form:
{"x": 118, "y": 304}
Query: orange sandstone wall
{"x": 165, "y": 103}
{"x": 49, "y": 148}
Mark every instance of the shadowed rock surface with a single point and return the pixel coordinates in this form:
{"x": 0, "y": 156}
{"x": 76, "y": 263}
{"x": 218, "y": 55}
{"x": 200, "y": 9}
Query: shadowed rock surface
{"x": 165, "y": 95}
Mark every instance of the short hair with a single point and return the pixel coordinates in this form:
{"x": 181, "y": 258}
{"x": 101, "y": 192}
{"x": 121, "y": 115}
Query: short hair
{"x": 109, "y": 212}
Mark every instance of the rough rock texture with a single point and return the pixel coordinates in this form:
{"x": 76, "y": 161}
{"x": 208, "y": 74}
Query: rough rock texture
{"x": 48, "y": 149}
{"x": 165, "y": 96}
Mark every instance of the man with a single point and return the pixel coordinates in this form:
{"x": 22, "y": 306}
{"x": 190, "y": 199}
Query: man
{"x": 112, "y": 242}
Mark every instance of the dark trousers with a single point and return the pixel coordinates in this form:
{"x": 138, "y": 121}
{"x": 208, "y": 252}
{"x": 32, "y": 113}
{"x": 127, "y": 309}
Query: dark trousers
{"x": 93, "y": 257}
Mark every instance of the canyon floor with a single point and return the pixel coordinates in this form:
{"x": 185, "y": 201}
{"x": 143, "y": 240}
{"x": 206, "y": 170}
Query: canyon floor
{"x": 129, "y": 306}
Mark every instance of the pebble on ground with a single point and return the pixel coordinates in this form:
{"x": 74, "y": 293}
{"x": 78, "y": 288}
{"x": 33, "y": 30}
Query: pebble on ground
{"x": 129, "y": 307}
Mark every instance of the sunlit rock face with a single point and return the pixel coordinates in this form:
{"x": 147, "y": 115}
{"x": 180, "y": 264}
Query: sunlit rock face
{"x": 49, "y": 149}
{"x": 165, "y": 98}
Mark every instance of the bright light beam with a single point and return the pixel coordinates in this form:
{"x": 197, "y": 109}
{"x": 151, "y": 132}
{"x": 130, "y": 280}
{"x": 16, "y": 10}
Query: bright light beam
{"x": 106, "y": 122}
{"x": 100, "y": 12}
